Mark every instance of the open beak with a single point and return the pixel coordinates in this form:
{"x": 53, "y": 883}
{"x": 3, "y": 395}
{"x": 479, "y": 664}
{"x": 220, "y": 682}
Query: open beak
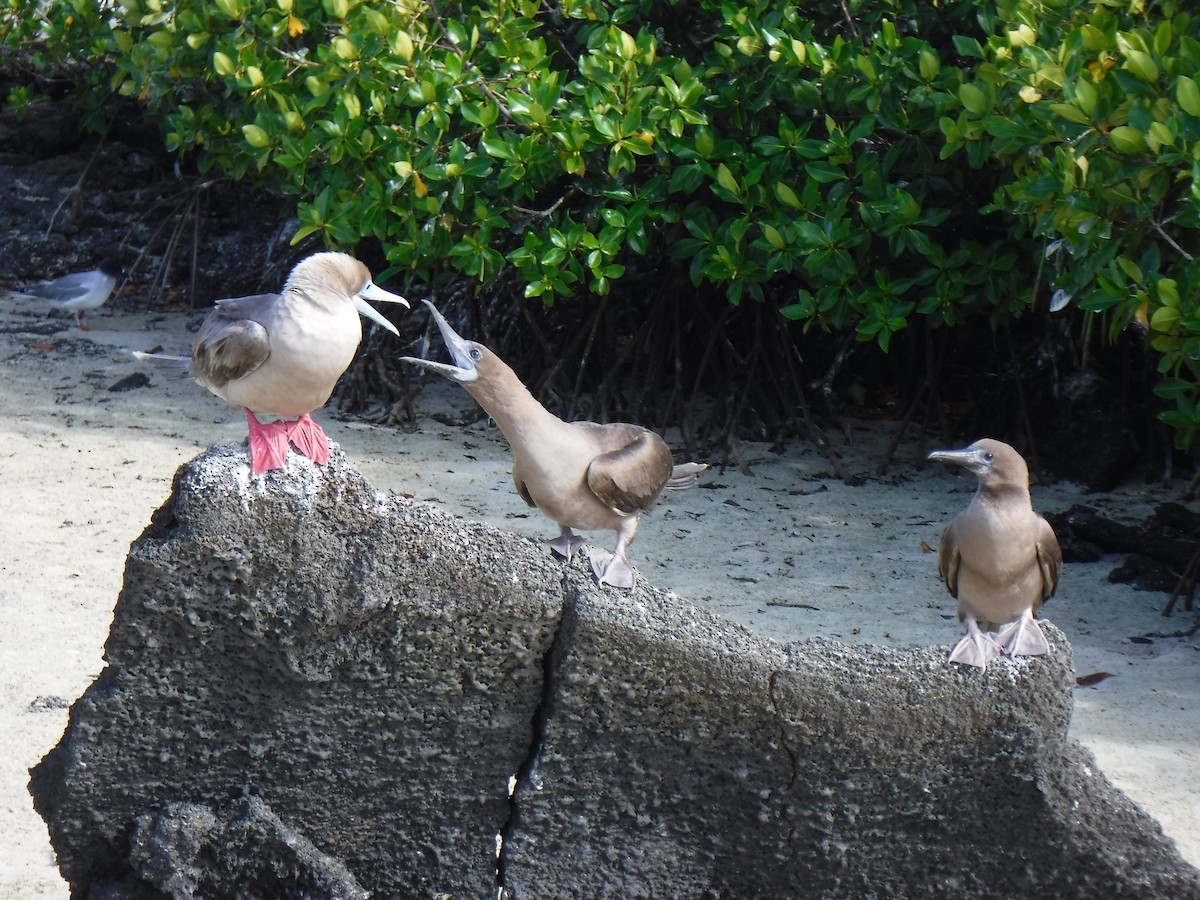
{"x": 379, "y": 295}
{"x": 972, "y": 459}
{"x": 463, "y": 371}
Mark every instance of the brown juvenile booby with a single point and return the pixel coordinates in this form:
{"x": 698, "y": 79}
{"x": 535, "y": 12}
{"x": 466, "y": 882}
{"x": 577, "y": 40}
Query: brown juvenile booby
{"x": 998, "y": 557}
{"x": 77, "y": 292}
{"x": 580, "y": 474}
{"x": 280, "y": 355}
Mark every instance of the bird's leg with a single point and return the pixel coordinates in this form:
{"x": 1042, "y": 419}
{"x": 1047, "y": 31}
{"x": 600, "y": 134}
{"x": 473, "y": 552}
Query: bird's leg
{"x": 309, "y": 438}
{"x": 613, "y": 568}
{"x": 268, "y": 444}
{"x": 566, "y": 543}
{"x": 1023, "y": 637}
{"x": 976, "y": 648}
{"x": 83, "y": 326}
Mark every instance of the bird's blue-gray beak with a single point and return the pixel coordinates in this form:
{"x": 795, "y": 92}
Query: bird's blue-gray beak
{"x": 373, "y": 292}
{"x": 463, "y": 351}
{"x": 973, "y": 458}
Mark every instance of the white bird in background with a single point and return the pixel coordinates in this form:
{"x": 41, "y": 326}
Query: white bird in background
{"x": 76, "y": 292}
{"x": 281, "y": 355}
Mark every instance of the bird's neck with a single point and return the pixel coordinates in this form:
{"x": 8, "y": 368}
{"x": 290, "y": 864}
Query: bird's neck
{"x": 511, "y": 405}
{"x": 1011, "y": 497}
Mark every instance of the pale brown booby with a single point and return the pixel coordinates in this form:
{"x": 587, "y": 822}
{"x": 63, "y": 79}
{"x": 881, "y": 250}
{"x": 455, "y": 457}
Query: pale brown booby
{"x": 581, "y": 474}
{"x": 998, "y": 557}
{"x": 280, "y": 355}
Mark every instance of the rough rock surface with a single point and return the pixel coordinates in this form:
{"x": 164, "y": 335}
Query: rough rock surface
{"x": 327, "y": 690}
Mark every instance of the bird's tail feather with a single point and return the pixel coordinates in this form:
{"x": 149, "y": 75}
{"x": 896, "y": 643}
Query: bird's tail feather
{"x": 169, "y": 365}
{"x": 685, "y": 476}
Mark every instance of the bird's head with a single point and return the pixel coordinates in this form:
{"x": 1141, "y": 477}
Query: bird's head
{"x": 472, "y": 361}
{"x": 335, "y": 277}
{"x": 995, "y": 464}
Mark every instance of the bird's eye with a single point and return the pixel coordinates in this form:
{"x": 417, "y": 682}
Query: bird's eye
{"x": 989, "y": 457}
{"x": 475, "y": 353}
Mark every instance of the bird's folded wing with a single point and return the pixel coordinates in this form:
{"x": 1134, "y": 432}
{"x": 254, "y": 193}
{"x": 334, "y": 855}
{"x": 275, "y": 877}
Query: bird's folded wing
{"x": 949, "y": 559}
{"x": 630, "y": 478}
{"x": 232, "y": 343}
{"x": 61, "y": 290}
{"x": 1049, "y": 556}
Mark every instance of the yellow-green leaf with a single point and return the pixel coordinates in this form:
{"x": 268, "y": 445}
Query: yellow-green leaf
{"x": 1188, "y": 95}
{"x": 195, "y": 41}
{"x": 255, "y": 136}
{"x": 726, "y": 180}
{"x": 773, "y": 236}
{"x": 123, "y": 41}
{"x": 1030, "y": 94}
{"x": 1130, "y": 268}
{"x": 800, "y": 50}
{"x": 1085, "y": 95}
{"x": 973, "y": 99}
{"x": 1071, "y": 113}
{"x": 865, "y": 66}
{"x": 1022, "y": 36}
{"x": 628, "y": 45}
{"x": 930, "y": 64}
{"x": 787, "y": 196}
{"x": 316, "y": 86}
{"x": 344, "y": 48}
{"x": 1168, "y": 292}
{"x": 402, "y": 46}
{"x": 254, "y": 73}
{"x": 223, "y": 64}
{"x": 1126, "y": 139}
{"x": 1094, "y": 40}
{"x": 1142, "y": 65}
{"x": 1164, "y": 318}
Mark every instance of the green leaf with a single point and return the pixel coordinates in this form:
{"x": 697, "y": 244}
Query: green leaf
{"x": 1142, "y": 65}
{"x": 1188, "y": 95}
{"x": 1125, "y": 139}
{"x": 973, "y": 99}
{"x": 726, "y": 180}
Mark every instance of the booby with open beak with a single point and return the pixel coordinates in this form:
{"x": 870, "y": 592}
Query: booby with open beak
{"x": 280, "y": 355}
{"x": 76, "y": 292}
{"x": 998, "y": 557}
{"x": 581, "y": 474}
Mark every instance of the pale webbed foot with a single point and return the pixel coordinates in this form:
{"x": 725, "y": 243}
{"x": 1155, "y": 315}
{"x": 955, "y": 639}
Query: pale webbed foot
{"x": 1023, "y": 637}
{"x": 309, "y": 438}
{"x": 268, "y": 444}
{"x": 976, "y": 648}
{"x": 567, "y": 543}
{"x": 611, "y": 568}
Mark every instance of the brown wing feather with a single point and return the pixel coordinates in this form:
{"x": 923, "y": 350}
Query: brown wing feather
{"x": 231, "y": 343}
{"x": 949, "y": 559}
{"x": 1049, "y": 556}
{"x": 523, "y": 490}
{"x": 630, "y": 477}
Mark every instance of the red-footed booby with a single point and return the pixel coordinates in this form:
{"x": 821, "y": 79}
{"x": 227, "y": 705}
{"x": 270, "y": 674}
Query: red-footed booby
{"x": 281, "y": 354}
{"x": 76, "y": 292}
{"x": 581, "y": 474}
{"x": 998, "y": 557}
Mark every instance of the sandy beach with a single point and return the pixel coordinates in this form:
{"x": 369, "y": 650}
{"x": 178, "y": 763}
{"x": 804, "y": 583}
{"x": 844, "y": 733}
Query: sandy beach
{"x": 780, "y": 545}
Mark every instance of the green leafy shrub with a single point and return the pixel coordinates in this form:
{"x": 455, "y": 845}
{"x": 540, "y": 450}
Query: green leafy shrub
{"x": 852, "y": 166}
{"x": 1095, "y": 111}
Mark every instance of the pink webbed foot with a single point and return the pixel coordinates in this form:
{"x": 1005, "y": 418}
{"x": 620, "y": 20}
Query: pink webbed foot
{"x": 611, "y": 568}
{"x": 566, "y": 543}
{"x": 1023, "y": 637}
{"x": 268, "y": 444}
{"x": 976, "y": 648}
{"x": 309, "y": 438}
